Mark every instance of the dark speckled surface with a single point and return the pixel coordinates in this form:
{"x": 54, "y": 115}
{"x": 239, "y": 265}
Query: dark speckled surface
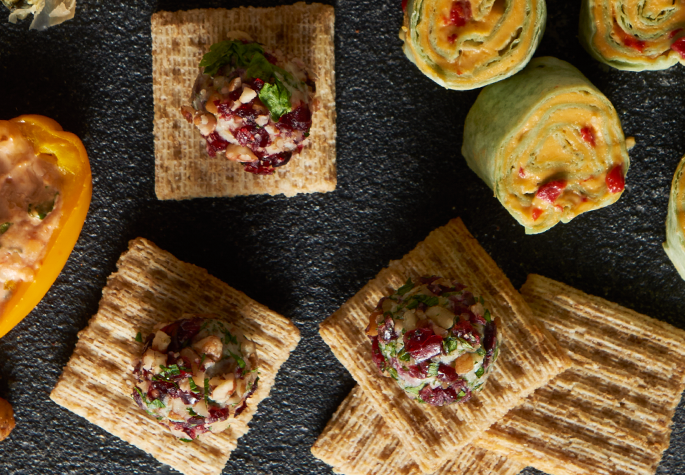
{"x": 400, "y": 175}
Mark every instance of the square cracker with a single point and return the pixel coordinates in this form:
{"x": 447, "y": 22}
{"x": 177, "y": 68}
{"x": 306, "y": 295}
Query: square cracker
{"x": 152, "y": 286}
{"x": 529, "y": 358}
{"x": 610, "y": 414}
{"x": 356, "y": 441}
{"x": 179, "y": 39}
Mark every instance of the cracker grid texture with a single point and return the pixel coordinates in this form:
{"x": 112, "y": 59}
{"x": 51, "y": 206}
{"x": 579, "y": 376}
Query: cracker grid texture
{"x": 610, "y": 414}
{"x": 179, "y": 39}
{"x": 529, "y": 358}
{"x": 356, "y": 441}
{"x": 151, "y": 286}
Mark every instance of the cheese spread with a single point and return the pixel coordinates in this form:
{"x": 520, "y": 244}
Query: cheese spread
{"x": 30, "y": 208}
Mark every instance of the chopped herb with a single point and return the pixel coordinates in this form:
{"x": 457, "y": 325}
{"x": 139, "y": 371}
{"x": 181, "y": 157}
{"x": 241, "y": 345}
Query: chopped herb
{"x": 461, "y": 393}
{"x": 482, "y": 300}
{"x": 276, "y": 97}
{"x": 139, "y": 337}
{"x": 481, "y": 351}
{"x": 41, "y": 210}
{"x": 232, "y": 52}
{"x": 157, "y": 403}
{"x": 193, "y": 413}
{"x": 4, "y": 227}
{"x": 238, "y": 359}
{"x": 142, "y": 396}
{"x": 172, "y": 370}
{"x": 406, "y": 287}
{"x": 450, "y": 344}
{"x": 480, "y": 372}
{"x": 393, "y": 373}
{"x": 488, "y": 317}
{"x": 403, "y": 355}
{"x": 415, "y": 300}
{"x": 228, "y": 338}
{"x": 202, "y": 360}
{"x": 414, "y": 389}
{"x": 185, "y": 440}
{"x": 208, "y": 400}
{"x": 193, "y": 386}
{"x": 433, "y": 369}
{"x": 465, "y": 343}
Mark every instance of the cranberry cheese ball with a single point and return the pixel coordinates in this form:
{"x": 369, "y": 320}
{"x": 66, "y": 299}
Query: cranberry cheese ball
{"x": 435, "y": 339}
{"x": 194, "y": 374}
{"x": 252, "y": 105}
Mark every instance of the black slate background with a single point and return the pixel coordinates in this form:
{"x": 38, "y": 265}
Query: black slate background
{"x": 400, "y": 175}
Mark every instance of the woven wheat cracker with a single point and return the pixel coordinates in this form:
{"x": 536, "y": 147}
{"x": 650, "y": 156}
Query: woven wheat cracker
{"x": 610, "y": 414}
{"x": 529, "y": 357}
{"x": 356, "y": 441}
{"x": 151, "y": 286}
{"x": 179, "y": 39}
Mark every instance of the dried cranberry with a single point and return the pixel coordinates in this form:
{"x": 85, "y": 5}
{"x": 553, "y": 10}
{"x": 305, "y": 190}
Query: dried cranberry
{"x": 235, "y": 95}
{"x": 246, "y": 112}
{"x": 422, "y": 343}
{"x": 438, "y": 396}
{"x": 258, "y": 168}
{"x": 417, "y": 371}
{"x": 224, "y": 109}
{"x": 463, "y": 329}
{"x": 615, "y": 180}
{"x": 376, "y": 354}
{"x": 473, "y": 318}
{"x": 257, "y": 84}
{"x": 489, "y": 342}
{"x": 460, "y": 14}
{"x": 243, "y": 406}
{"x": 550, "y": 191}
{"x": 182, "y": 331}
{"x": 386, "y": 331}
{"x": 447, "y": 374}
{"x": 299, "y": 119}
{"x": 252, "y": 137}
{"x": 217, "y": 414}
{"x": 215, "y": 144}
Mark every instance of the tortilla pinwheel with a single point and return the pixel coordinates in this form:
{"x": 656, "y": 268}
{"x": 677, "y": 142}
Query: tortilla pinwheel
{"x": 634, "y": 35}
{"x": 675, "y": 221}
{"x": 467, "y": 44}
{"x": 548, "y": 143}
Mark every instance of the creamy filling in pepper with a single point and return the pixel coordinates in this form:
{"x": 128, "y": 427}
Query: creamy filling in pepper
{"x": 194, "y": 374}
{"x": 474, "y": 38}
{"x": 639, "y": 28}
{"x": 30, "y": 209}
{"x": 252, "y": 105}
{"x": 435, "y": 339}
{"x": 566, "y": 160}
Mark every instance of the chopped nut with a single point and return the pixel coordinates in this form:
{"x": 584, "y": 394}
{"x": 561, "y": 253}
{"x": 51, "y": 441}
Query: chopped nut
{"x": 247, "y": 95}
{"x": 238, "y": 153}
{"x": 210, "y": 346}
{"x": 463, "y": 364}
{"x": 235, "y": 84}
{"x": 441, "y": 316}
{"x": 224, "y": 387}
{"x": 161, "y": 341}
{"x": 6, "y": 419}
{"x": 152, "y": 360}
{"x": 206, "y": 123}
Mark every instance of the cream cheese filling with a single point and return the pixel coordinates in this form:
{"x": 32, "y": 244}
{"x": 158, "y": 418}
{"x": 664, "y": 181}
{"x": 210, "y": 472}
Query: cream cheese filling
{"x": 571, "y": 143}
{"x": 497, "y": 37}
{"x": 637, "y": 28}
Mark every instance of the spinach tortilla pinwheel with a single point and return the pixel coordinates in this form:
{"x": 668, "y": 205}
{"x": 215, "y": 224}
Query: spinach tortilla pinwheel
{"x": 467, "y": 44}
{"x": 548, "y": 143}
{"x": 634, "y": 35}
{"x": 675, "y": 221}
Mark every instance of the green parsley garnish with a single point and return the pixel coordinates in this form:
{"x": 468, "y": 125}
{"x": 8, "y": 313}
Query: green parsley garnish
{"x": 433, "y": 369}
{"x": 139, "y": 337}
{"x": 414, "y": 389}
{"x": 185, "y": 440}
{"x": 41, "y": 210}
{"x": 461, "y": 393}
{"x": 480, "y": 372}
{"x": 238, "y": 359}
{"x": 450, "y": 344}
{"x": 193, "y": 386}
{"x": 406, "y": 287}
{"x": 4, "y": 227}
{"x": 488, "y": 317}
{"x": 276, "y": 97}
{"x": 193, "y": 413}
{"x": 157, "y": 403}
{"x": 393, "y": 373}
{"x": 403, "y": 355}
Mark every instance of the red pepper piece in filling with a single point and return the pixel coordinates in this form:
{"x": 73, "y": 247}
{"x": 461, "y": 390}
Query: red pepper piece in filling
{"x": 522, "y": 172}
{"x": 588, "y": 134}
{"x": 549, "y": 192}
{"x": 615, "y": 180}
{"x": 460, "y": 14}
{"x": 632, "y": 42}
{"x": 679, "y": 47}
{"x": 536, "y": 213}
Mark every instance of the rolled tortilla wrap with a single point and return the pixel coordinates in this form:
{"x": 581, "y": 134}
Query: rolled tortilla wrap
{"x": 548, "y": 143}
{"x": 467, "y": 44}
{"x": 675, "y": 221}
{"x": 634, "y": 35}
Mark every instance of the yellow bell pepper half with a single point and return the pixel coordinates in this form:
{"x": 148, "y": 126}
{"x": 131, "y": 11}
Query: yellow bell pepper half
{"x": 47, "y": 137}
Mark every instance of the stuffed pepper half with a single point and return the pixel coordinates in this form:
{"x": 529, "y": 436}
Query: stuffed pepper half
{"x": 251, "y": 105}
{"x": 634, "y": 35}
{"x": 194, "y": 374}
{"x": 435, "y": 339}
{"x": 45, "y": 191}
{"x": 548, "y": 143}
{"x": 467, "y": 44}
{"x": 675, "y": 221}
